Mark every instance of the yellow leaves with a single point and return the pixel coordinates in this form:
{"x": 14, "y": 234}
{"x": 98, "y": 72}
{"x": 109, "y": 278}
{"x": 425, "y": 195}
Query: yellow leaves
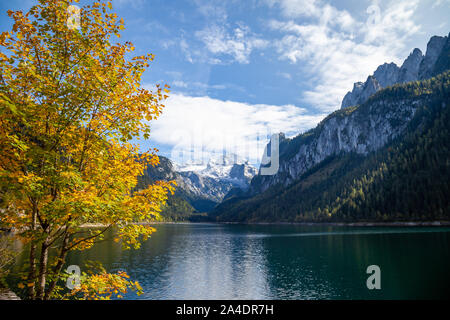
{"x": 104, "y": 286}
{"x": 68, "y": 114}
{"x": 130, "y": 234}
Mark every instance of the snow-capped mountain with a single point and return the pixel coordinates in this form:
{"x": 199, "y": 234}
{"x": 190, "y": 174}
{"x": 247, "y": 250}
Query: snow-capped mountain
{"x": 203, "y": 185}
{"x": 213, "y": 180}
{"x": 227, "y": 167}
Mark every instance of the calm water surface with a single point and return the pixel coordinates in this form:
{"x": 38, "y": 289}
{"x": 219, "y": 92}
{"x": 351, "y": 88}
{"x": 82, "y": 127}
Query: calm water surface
{"x": 216, "y": 261}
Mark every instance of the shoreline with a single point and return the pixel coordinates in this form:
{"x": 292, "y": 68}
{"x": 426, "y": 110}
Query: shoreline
{"x": 336, "y": 224}
{"x": 355, "y": 224}
{"x": 7, "y": 294}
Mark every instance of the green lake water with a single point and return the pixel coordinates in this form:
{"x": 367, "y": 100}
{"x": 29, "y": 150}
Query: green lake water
{"x": 220, "y": 261}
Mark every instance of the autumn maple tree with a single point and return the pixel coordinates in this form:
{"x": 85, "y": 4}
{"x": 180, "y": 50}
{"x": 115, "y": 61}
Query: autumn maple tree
{"x": 70, "y": 104}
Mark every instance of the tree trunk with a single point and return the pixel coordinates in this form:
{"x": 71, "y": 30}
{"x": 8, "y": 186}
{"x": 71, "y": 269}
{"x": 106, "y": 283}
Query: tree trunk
{"x": 58, "y": 267}
{"x": 32, "y": 271}
{"x": 42, "y": 270}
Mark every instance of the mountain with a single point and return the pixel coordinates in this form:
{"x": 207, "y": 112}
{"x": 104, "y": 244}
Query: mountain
{"x": 208, "y": 185}
{"x": 434, "y": 50}
{"x": 177, "y": 208}
{"x": 409, "y": 71}
{"x": 361, "y": 92}
{"x": 415, "y": 67}
{"x": 199, "y": 188}
{"x": 407, "y": 178}
{"x": 353, "y": 163}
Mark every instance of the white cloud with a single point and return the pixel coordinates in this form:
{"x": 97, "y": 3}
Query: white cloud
{"x": 135, "y": 4}
{"x": 239, "y": 43}
{"x": 297, "y": 8}
{"x": 179, "y": 84}
{"x": 186, "y": 50}
{"x": 285, "y": 75}
{"x": 197, "y": 85}
{"x": 214, "y": 10}
{"x": 437, "y": 3}
{"x": 335, "y": 49}
{"x": 206, "y": 126}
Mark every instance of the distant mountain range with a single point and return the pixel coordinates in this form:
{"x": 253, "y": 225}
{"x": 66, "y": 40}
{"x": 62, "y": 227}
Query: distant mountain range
{"x": 199, "y": 187}
{"x": 383, "y": 156}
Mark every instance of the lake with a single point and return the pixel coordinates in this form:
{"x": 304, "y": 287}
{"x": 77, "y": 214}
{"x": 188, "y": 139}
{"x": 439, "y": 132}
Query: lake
{"x": 227, "y": 261}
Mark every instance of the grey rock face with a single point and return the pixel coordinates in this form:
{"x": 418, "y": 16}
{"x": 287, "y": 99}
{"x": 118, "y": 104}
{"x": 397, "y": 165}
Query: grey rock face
{"x": 356, "y": 132}
{"x": 434, "y": 48}
{"x": 370, "y": 87}
{"x": 204, "y": 187}
{"x": 415, "y": 67}
{"x": 361, "y": 92}
{"x": 242, "y": 172}
{"x": 387, "y": 74}
{"x": 351, "y": 98}
{"x": 409, "y": 71}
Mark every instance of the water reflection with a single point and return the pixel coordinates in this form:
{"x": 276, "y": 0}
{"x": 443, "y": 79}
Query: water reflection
{"x": 215, "y": 266}
{"x": 213, "y": 261}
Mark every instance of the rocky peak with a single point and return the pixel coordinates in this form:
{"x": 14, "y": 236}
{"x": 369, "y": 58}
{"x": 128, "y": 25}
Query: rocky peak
{"x": 443, "y": 61}
{"x": 434, "y": 49}
{"x": 387, "y": 74}
{"x": 243, "y": 172}
{"x": 361, "y": 92}
{"x": 371, "y": 86}
{"x": 409, "y": 71}
{"x": 415, "y": 67}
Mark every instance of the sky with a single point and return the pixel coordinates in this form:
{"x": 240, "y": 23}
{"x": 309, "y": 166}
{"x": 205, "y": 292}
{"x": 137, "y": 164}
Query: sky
{"x": 240, "y": 71}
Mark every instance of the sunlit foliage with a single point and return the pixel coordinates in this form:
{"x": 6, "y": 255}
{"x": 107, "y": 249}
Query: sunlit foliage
{"x": 70, "y": 103}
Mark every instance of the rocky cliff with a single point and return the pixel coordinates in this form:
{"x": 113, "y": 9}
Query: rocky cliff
{"x": 415, "y": 67}
{"x": 359, "y": 130}
{"x": 383, "y": 160}
{"x": 362, "y": 129}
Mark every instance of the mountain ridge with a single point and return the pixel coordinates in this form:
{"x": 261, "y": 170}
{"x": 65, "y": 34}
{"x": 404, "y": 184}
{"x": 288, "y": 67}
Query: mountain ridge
{"x": 360, "y": 130}
{"x": 197, "y": 191}
{"x": 406, "y": 179}
{"x": 415, "y": 67}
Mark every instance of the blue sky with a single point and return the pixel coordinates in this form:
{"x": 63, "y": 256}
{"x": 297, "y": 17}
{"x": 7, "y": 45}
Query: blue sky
{"x": 240, "y": 70}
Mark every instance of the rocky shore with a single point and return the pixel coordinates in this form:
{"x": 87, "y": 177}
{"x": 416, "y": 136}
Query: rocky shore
{"x": 6, "y": 294}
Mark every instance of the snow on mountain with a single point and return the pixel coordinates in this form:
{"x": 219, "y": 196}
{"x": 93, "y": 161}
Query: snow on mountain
{"x": 213, "y": 180}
